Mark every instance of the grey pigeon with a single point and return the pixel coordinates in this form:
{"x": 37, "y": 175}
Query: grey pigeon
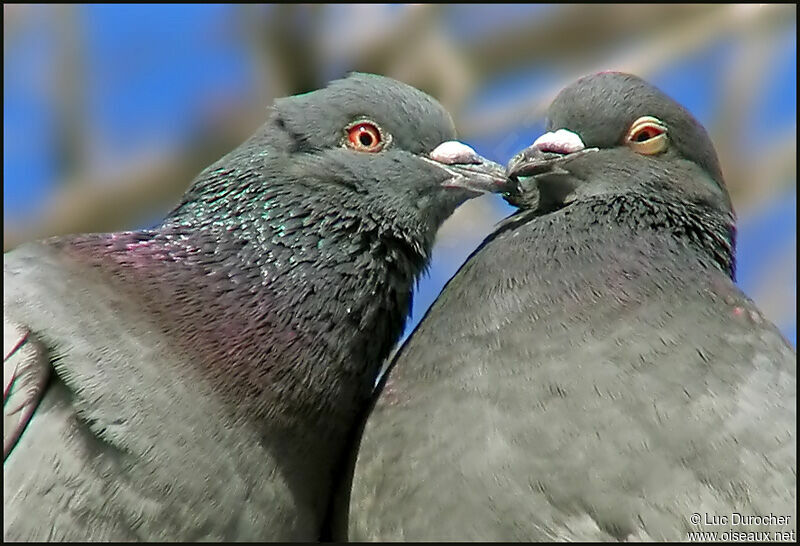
{"x": 198, "y": 380}
{"x": 592, "y": 372}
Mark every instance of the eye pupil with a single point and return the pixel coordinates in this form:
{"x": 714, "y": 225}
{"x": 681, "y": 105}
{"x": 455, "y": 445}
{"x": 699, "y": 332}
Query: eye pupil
{"x": 364, "y": 137}
{"x": 643, "y": 135}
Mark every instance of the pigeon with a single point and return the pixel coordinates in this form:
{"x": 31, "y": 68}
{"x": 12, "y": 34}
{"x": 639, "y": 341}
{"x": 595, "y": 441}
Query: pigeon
{"x": 199, "y": 380}
{"x": 592, "y": 372}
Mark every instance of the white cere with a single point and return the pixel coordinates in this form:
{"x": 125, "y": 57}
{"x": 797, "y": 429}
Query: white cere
{"x": 561, "y": 142}
{"x": 454, "y": 152}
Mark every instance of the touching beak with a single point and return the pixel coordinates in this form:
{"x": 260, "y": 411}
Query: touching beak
{"x": 541, "y": 168}
{"x": 546, "y": 153}
{"x": 468, "y": 170}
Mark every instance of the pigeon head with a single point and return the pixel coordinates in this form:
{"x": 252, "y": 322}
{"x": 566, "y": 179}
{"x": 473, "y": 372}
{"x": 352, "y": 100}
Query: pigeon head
{"x": 613, "y": 133}
{"x": 365, "y": 142}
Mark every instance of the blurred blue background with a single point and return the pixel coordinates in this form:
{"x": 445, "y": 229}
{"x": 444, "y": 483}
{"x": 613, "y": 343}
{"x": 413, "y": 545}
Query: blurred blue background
{"x": 110, "y": 110}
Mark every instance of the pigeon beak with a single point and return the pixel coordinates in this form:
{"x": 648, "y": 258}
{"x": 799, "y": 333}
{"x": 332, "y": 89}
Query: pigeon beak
{"x": 544, "y": 162}
{"x": 468, "y": 170}
{"x": 545, "y": 153}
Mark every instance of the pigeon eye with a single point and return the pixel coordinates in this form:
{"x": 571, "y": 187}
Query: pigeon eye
{"x": 364, "y": 137}
{"x": 647, "y": 136}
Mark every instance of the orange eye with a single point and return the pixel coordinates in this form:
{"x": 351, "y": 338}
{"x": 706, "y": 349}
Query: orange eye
{"x": 647, "y": 136}
{"x": 364, "y": 137}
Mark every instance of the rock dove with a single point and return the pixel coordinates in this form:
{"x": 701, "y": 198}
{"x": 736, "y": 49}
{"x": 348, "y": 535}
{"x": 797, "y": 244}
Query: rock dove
{"x": 198, "y": 380}
{"x": 592, "y": 372}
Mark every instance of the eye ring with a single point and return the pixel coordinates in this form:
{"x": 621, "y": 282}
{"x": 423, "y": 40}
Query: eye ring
{"x": 647, "y": 136}
{"x": 364, "y": 136}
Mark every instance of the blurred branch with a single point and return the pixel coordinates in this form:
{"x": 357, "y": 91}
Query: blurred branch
{"x": 578, "y": 31}
{"x": 68, "y": 93}
{"x": 743, "y": 82}
{"x": 145, "y": 189}
{"x": 412, "y": 48}
{"x": 670, "y": 44}
{"x": 434, "y": 64}
{"x": 773, "y": 167}
{"x": 290, "y": 49}
{"x": 87, "y": 201}
{"x": 13, "y": 22}
{"x": 414, "y": 22}
{"x": 253, "y": 28}
{"x": 777, "y": 304}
